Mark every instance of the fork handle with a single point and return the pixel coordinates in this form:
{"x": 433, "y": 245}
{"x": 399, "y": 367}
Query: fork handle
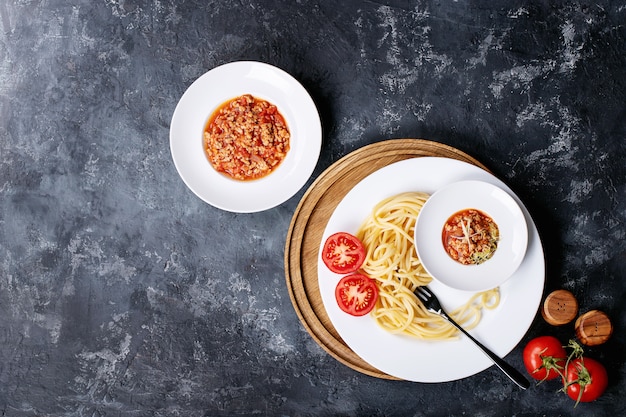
{"x": 508, "y": 370}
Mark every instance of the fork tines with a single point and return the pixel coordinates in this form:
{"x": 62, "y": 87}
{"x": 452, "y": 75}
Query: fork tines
{"x": 423, "y": 293}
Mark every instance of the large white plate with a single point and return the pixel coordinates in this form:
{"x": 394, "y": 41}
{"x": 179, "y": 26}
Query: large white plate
{"x": 422, "y": 361}
{"x": 214, "y": 88}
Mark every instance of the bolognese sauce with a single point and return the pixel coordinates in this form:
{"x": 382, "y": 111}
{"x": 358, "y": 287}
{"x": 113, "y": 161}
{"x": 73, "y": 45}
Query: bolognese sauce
{"x": 246, "y": 138}
{"x": 470, "y": 237}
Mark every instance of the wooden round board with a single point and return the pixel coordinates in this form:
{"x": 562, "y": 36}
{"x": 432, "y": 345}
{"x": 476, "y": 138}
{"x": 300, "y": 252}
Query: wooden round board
{"x": 310, "y": 219}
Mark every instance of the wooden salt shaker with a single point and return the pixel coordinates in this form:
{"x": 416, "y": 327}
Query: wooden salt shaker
{"x": 560, "y": 307}
{"x": 593, "y": 328}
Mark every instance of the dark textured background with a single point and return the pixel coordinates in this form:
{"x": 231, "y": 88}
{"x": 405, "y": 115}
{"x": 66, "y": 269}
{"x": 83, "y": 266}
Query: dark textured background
{"x": 123, "y": 294}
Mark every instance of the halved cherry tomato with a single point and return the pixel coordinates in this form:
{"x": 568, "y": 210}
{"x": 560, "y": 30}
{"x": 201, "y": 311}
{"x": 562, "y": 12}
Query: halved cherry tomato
{"x": 343, "y": 253}
{"x": 356, "y": 294}
{"x": 586, "y": 379}
{"x": 544, "y": 358}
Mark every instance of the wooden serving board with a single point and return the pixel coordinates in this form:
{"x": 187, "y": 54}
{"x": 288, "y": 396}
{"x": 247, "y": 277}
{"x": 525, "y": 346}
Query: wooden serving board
{"x": 309, "y": 222}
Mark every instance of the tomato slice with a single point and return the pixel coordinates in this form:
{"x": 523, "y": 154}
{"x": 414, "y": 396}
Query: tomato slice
{"x": 356, "y": 294}
{"x": 343, "y": 253}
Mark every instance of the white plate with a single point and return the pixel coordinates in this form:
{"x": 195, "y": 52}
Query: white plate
{"x": 491, "y": 200}
{"x": 420, "y": 361}
{"x": 214, "y": 88}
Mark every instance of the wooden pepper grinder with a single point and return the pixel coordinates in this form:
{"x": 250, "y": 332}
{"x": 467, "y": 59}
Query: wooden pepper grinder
{"x": 593, "y": 328}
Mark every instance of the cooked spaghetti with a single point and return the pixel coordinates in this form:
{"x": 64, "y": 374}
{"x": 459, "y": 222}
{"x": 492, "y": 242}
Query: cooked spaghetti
{"x": 391, "y": 259}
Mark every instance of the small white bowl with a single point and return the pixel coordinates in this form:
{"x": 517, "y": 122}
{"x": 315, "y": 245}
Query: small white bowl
{"x": 224, "y": 83}
{"x": 494, "y": 202}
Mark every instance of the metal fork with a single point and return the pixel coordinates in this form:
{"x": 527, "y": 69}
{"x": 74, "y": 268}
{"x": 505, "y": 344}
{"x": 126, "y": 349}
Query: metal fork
{"x": 432, "y": 304}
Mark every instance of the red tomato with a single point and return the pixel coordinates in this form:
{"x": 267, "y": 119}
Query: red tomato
{"x": 343, "y": 253}
{"x": 586, "y": 379}
{"x": 356, "y": 294}
{"x": 544, "y": 358}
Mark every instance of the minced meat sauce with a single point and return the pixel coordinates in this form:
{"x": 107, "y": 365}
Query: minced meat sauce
{"x": 470, "y": 237}
{"x": 246, "y": 138}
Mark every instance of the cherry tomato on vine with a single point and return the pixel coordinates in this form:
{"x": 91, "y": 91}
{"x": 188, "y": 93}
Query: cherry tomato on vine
{"x": 356, "y": 294}
{"x": 343, "y": 253}
{"x": 585, "y": 379}
{"x": 544, "y": 358}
